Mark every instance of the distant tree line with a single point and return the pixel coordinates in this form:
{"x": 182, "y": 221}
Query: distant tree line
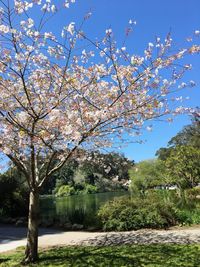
{"x": 95, "y": 172}
{"x": 177, "y": 164}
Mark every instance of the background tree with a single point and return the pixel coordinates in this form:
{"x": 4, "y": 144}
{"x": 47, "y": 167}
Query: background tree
{"x": 181, "y": 157}
{"x": 57, "y": 97}
{"x": 183, "y": 166}
{"x": 147, "y": 174}
{"x": 188, "y": 136}
{"x": 109, "y": 165}
{"x": 163, "y": 153}
{"x": 103, "y": 170}
{"x": 65, "y": 176}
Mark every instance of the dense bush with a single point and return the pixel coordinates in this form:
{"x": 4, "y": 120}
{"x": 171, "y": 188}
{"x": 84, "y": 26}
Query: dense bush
{"x": 132, "y": 214}
{"x": 90, "y": 189}
{"x": 65, "y": 190}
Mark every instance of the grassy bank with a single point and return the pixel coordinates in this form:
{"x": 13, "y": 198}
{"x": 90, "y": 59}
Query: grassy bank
{"x": 116, "y": 256}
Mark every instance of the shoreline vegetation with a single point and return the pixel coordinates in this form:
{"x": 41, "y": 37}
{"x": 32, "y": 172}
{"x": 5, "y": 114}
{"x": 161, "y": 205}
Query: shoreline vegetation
{"x": 157, "y": 209}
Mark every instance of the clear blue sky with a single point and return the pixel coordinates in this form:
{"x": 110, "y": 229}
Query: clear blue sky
{"x": 154, "y": 18}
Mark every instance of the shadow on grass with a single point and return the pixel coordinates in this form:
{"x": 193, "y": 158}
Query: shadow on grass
{"x": 88, "y": 257}
{"x": 116, "y": 256}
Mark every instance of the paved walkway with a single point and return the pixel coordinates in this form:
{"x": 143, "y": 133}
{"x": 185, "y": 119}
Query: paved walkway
{"x": 12, "y": 237}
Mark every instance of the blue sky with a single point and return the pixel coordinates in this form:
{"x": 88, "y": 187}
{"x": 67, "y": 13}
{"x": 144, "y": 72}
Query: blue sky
{"x": 154, "y": 18}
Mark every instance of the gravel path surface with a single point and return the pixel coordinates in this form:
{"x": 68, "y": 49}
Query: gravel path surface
{"x": 12, "y": 237}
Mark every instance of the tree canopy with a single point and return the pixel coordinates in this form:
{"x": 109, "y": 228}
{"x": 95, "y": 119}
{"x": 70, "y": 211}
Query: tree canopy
{"x": 181, "y": 157}
{"x": 183, "y": 166}
{"x": 147, "y": 174}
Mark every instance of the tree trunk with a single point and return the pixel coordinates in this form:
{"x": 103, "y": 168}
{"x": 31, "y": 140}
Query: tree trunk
{"x": 31, "y": 252}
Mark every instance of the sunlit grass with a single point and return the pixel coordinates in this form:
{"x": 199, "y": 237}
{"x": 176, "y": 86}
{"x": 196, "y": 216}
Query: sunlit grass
{"x": 116, "y": 256}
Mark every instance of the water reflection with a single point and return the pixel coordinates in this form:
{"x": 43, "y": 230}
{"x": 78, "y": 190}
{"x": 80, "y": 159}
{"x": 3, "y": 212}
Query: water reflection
{"x": 77, "y": 209}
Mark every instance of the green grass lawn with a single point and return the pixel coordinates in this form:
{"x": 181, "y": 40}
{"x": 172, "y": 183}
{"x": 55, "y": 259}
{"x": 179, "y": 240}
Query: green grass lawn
{"x": 116, "y": 256}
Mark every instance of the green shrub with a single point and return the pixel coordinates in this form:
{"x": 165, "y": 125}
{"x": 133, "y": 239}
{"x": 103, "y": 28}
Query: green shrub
{"x": 125, "y": 213}
{"x": 90, "y": 189}
{"x": 185, "y": 217}
{"x": 65, "y": 190}
{"x": 195, "y": 217}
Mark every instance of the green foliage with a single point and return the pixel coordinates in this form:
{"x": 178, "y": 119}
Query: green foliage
{"x": 106, "y": 165}
{"x": 188, "y": 208}
{"x": 13, "y": 194}
{"x": 191, "y": 207}
{"x": 183, "y": 166}
{"x": 185, "y": 217}
{"x": 65, "y": 190}
{"x": 157, "y": 255}
{"x": 96, "y": 169}
{"x": 163, "y": 153}
{"x": 156, "y": 209}
{"x": 90, "y": 189}
{"x": 127, "y": 213}
{"x": 79, "y": 187}
{"x": 182, "y": 156}
{"x": 147, "y": 174}
{"x": 190, "y": 135}
{"x": 65, "y": 176}
{"x": 58, "y": 184}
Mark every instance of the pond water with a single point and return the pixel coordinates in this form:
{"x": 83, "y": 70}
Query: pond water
{"x": 77, "y": 209}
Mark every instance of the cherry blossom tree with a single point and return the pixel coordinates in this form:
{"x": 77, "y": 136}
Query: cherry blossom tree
{"x": 58, "y": 98}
